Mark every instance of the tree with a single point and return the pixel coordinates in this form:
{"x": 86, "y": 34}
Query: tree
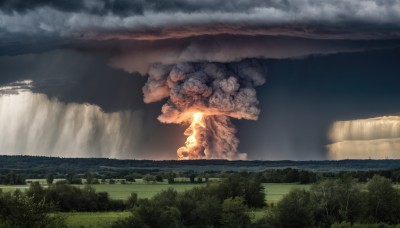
{"x": 351, "y": 200}
{"x": 131, "y": 178}
{"x": 171, "y": 178}
{"x": 19, "y": 210}
{"x": 383, "y": 200}
{"x": 159, "y": 178}
{"x": 50, "y": 178}
{"x": 250, "y": 189}
{"x": 306, "y": 177}
{"x": 166, "y": 198}
{"x": 254, "y": 194}
{"x": 206, "y": 213}
{"x": 73, "y": 179}
{"x": 13, "y": 179}
{"x": 36, "y": 192}
{"x": 234, "y": 213}
{"x": 149, "y": 178}
{"x": 132, "y": 200}
{"x": 90, "y": 178}
{"x": 338, "y": 200}
{"x": 295, "y": 209}
{"x": 192, "y": 178}
{"x": 155, "y": 215}
{"x": 231, "y": 187}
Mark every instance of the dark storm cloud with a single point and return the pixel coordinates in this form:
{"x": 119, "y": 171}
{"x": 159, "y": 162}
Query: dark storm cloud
{"x": 74, "y": 77}
{"x": 101, "y": 7}
{"x": 169, "y": 32}
{"x": 119, "y": 7}
{"x": 137, "y": 56}
{"x": 150, "y": 19}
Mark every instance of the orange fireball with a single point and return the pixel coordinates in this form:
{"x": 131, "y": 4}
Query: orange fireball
{"x": 195, "y": 141}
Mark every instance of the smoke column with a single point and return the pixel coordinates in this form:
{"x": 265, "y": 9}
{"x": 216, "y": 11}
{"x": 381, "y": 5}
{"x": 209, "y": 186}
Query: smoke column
{"x": 205, "y": 96}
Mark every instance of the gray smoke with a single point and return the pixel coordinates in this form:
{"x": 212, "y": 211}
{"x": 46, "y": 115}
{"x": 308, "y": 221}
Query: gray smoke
{"x": 219, "y": 91}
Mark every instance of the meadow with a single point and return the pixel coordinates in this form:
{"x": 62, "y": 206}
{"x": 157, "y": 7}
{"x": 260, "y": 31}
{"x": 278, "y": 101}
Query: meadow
{"x": 274, "y": 191}
{"x": 105, "y": 219}
{"x": 92, "y": 219}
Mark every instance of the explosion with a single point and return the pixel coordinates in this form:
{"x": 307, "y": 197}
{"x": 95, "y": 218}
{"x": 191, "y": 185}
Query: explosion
{"x": 205, "y": 96}
{"x": 194, "y": 143}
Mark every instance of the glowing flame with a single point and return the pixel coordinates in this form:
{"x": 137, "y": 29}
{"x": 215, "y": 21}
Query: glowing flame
{"x": 196, "y": 140}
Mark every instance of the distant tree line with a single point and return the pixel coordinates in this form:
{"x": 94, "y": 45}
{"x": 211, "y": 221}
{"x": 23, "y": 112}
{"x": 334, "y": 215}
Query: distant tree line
{"x": 286, "y": 175}
{"x": 12, "y": 178}
{"x": 37, "y": 167}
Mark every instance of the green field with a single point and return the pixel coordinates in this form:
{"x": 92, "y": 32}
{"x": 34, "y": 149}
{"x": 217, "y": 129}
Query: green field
{"x": 105, "y": 219}
{"x": 123, "y": 191}
{"x": 8, "y": 188}
{"x": 274, "y": 192}
{"x": 92, "y": 219}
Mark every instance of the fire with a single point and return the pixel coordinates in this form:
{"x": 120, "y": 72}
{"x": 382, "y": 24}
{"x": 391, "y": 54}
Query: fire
{"x": 196, "y": 139}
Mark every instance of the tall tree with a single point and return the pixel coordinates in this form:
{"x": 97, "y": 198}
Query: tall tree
{"x": 383, "y": 200}
{"x": 234, "y": 213}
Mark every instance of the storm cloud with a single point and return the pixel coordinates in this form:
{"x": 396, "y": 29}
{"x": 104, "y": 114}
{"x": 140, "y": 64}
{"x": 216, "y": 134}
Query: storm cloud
{"x": 80, "y": 58}
{"x": 152, "y": 19}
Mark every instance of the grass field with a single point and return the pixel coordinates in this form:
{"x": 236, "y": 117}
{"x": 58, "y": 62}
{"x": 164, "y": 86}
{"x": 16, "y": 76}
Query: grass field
{"x": 274, "y": 192}
{"x": 123, "y": 191}
{"x": 105, "y": 219}
{"x": 92, "y": 219}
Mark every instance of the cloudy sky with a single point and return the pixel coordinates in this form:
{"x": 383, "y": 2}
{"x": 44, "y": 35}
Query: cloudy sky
{"x": 72, "y": 72}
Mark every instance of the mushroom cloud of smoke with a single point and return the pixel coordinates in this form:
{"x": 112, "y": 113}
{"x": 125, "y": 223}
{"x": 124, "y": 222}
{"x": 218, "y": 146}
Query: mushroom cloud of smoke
{"x": 218, "y": 91}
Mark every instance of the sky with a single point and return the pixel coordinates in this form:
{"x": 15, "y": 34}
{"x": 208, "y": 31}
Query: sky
{"x": 295, "y": 80}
